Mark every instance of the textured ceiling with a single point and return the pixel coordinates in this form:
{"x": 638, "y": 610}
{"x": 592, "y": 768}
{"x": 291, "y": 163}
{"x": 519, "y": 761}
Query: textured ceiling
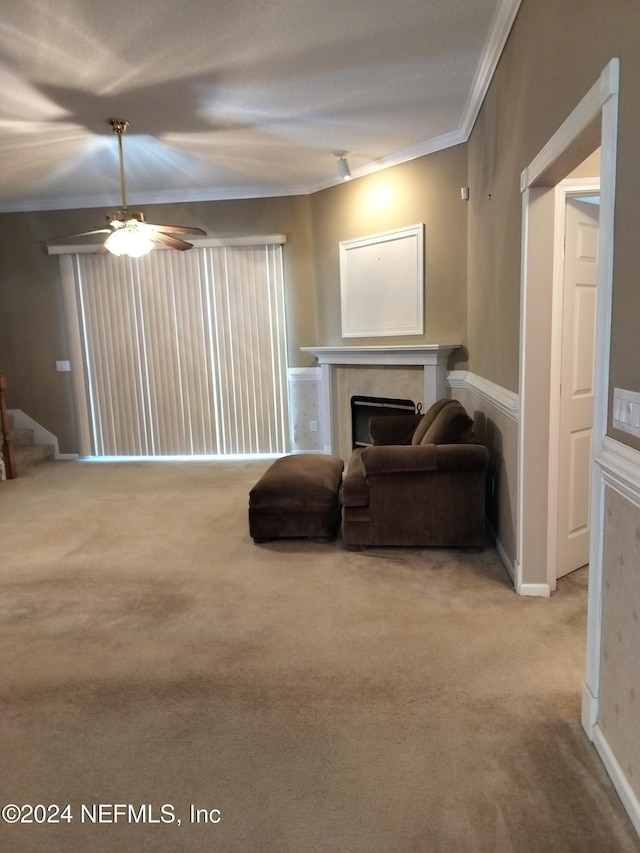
{"x": 232, "y": 98}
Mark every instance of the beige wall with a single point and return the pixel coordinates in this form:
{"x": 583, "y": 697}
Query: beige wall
{"x": 32, "y": 334}
{"x": 554, "y": 55}
{"x": 425, "y": 190}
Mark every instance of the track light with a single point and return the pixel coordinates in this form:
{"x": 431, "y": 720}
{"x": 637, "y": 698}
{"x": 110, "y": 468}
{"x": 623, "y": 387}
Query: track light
{"x": 343, "y": 166}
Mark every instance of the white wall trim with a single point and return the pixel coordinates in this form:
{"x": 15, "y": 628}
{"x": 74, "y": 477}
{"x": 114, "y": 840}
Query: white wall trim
{"x": 510, "y": 568}
{"x": 537, "y": 590}
{"x": 589, "y": 710}
{"x": 501, "y": 27}
{"x": 620, "y": 782}
{"x": 588, "y": 109}
{"x": 506, "y": 401}
{"x": 620, "y": 466}
{"x": 304, "y": 374}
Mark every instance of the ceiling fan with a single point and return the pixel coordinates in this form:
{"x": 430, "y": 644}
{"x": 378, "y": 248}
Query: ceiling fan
{"x": 128, "y": 232}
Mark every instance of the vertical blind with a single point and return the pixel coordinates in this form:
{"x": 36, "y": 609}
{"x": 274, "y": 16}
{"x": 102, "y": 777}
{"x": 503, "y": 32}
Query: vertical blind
{"x": 185, "y": 352}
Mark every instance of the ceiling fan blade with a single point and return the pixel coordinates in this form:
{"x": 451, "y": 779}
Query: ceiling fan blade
{"x": 81, "y": 234}
{"x": 179, "y": 229}
{"x": 171, "y": 242}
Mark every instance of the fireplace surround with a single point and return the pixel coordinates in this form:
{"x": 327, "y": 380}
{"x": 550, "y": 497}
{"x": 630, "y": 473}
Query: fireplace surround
{"x": 417, "y": 372}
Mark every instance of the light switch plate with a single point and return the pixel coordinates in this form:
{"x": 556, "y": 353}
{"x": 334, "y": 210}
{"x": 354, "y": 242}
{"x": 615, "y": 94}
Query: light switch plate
{"x": 626, "y": 411}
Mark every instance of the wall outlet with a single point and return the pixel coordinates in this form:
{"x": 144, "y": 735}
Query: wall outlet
{"x": 313, "y": 426}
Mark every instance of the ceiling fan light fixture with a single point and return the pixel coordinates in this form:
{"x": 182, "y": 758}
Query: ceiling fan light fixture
{"x": 133, "y": 238}
{"x": 128, "y": 232}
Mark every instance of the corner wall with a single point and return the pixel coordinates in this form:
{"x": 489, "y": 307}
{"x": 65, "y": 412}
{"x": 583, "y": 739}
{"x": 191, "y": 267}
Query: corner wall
{"x": 495, "y": 416}
{"x": 425, "y": 190}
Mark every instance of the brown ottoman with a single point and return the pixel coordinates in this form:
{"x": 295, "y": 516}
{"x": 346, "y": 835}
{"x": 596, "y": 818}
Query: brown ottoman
{"x": 297, "y": 496}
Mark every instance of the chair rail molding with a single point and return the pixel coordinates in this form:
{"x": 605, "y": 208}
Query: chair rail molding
{"x": 620, "y": 465}
{"x": 508, "y": 402}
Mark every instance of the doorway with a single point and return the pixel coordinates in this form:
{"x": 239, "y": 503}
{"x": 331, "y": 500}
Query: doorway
{"x": 572, "y": 375}
{"x": 592, "y": 123}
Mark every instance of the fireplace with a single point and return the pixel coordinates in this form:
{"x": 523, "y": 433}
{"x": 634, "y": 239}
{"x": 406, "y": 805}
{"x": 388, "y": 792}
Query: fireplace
{"x": 417, "y": 371}
{"x": 363, "y": 408}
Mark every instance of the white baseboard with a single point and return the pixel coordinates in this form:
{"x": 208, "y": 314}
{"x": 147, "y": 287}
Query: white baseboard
{"x": 538, "y": 590}
{"x": 501, "y": 552}
{"x": 589, "y": 710}
{"x": 626, "y": 793}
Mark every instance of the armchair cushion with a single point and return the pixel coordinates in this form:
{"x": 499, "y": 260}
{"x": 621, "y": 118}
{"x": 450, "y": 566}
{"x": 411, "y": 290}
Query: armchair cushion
{"x": 452, "y": 425}
{"x": 427, "y": 419}
{"x": 393, "y": 430}
{"x": 445, "y": 422}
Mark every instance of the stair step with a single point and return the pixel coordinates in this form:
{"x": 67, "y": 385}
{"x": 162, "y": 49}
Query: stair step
{"x": 30, "y": 455}
{"x": 21, "y": 437}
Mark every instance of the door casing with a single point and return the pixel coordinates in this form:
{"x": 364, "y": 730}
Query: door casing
{"x": 594, "y": 121}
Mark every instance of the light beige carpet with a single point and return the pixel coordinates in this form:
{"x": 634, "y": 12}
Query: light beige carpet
{"x": 322, "y": 701}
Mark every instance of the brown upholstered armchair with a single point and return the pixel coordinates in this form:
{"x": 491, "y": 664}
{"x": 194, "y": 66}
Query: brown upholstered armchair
{"x": 421, "y": 483}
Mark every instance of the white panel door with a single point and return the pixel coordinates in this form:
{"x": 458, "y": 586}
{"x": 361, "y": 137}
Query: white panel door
{"x": 576, "y": 395}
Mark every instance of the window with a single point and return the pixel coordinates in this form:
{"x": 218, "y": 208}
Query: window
{"x": 184, "y": 352}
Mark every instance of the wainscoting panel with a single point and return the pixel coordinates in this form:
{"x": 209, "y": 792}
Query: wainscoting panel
{"x": 495, "y": 411}
{"x": 618, "y": 721}
{"x": 304, "y": 409}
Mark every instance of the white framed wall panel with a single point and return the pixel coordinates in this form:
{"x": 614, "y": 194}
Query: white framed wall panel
{"x": 382, "y": 284}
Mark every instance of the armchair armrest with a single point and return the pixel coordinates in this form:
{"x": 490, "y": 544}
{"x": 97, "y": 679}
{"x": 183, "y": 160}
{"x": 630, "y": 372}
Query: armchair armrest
{"x": 396, "y": 459}
{"x": 355, "y": 490}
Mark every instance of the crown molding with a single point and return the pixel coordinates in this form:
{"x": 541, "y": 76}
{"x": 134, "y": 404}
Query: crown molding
{"x": 502, "y": 23}
{"x": 199, "y": 194}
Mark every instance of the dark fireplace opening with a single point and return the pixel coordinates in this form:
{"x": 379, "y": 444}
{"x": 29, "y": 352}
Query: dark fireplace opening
{"x": 363, "y": 408}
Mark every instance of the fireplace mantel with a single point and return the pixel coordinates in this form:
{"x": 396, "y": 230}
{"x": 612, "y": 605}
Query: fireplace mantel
{"x": 431, "y": 357}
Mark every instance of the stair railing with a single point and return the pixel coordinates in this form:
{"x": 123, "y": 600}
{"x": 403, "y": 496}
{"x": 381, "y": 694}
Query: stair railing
{"x": 7, "y": 445}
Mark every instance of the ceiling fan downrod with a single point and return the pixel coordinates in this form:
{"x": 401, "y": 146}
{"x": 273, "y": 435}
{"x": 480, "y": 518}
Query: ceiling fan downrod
{"x": 119, "y": 126}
